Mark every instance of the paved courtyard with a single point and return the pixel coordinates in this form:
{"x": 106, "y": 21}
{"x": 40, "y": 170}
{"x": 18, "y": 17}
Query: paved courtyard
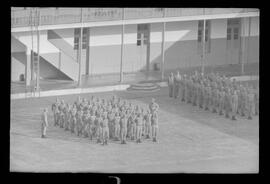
{"x": 190, "y": 140}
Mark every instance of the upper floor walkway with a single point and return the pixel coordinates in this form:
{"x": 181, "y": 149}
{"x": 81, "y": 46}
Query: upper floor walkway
{"x": 23, "y": 18}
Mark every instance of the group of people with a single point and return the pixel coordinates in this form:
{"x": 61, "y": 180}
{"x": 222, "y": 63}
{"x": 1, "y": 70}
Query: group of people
{"x": 218, "y": 94}
{"x": 104, "y": 119}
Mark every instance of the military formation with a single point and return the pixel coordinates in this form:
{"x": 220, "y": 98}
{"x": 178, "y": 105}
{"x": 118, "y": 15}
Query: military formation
{"x": 215, "y": 93}
{"x": 107, "y": 119}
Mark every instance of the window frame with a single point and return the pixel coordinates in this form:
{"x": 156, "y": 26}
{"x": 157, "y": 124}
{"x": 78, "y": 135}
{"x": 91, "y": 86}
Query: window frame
{"x": 77, "y": 36}
{"x": 206, "y": 37}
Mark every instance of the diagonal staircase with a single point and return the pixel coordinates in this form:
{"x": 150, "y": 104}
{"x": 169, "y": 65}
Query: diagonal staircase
{"x": 61, "y": 44}
{"x": 66, "y": 65}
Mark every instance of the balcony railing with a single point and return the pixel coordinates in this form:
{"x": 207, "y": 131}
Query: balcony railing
{"x": 49, "y": 16}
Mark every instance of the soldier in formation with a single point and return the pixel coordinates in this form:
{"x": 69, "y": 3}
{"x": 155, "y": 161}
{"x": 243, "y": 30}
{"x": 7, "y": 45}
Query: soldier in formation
{"x": 215, "y": 93}
{"x": 107, "y": 119}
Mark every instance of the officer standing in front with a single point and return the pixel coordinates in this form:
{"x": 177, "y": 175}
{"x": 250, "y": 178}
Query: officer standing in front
{"x": 171, "y": 84}
{"x": 44, "y": 123}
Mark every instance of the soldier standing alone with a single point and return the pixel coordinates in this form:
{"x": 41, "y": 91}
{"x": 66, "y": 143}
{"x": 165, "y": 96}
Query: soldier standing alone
{"x": 44, "y": 123}
{"x": 170, "y": 84}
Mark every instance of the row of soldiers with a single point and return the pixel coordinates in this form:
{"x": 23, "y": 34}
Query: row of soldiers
{"x": 215, "y": 93}
{"x": 105, "y": 119}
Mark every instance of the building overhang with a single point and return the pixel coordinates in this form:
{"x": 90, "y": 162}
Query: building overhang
{"x": 138, "y": 21}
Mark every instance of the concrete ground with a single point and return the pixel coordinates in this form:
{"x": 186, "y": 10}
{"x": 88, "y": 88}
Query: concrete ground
{"x": 190, "y": 140}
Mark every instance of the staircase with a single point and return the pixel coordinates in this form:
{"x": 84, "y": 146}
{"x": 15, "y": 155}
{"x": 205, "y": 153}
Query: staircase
{"x": 47, "y": 70}
{"x": 67, "y": 68}
{"x": 61, "y": 44}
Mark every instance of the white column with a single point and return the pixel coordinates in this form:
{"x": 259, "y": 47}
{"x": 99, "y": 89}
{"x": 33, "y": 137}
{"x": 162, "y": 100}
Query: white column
{"x": 162, "y": 50}
{"x": 162, "y": 47}
{"x": 203, "y": 47}
{"x": 28, "y": 67}
{"x": 79, "y": 55}
{"x": 243, "y": 45}
{"x": 38, "y": 65}
{"x": 122, "y": 46}
{"x": 249, "y": 28}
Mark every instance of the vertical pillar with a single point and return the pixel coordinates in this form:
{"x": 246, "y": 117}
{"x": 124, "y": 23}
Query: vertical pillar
{"x": 249, "y": 29}
{"x": 28, "y": 67}
{"x": 122, "y": 45}
{"x": 80, "y": 49}
{"x": 243, "y": 42}
{"x": 38, "y": 69}
{"x": 162, "y": 47}
{"x": 203, "y": 47}
{"x": 79, "y": 55}
{"x": 87, "y": 52}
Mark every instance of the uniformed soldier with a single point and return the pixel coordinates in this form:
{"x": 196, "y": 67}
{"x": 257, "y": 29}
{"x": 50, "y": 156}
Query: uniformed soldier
{"x": 148, "y": 124}
{"x": 188, "y": 91}
{"x": 177, "y": 80}
{"x": 92, "y": 127}
{"x": 153, "y": 106}
{"x": 123, "y": 127}
{"x": 105, "y": 130}
{"x": 206, "y": 96}
{"x": 234, "y": 104}
{"x": 79, "y": 123}
{"x": 154, "y": 124}
{"x": 73, "y": 119}
{"x": 143, "y": 111}
{"x": 171, "y": 84}
{"x": 117, "y": 126}
{"x": 227, "y": 103}
{"x": 185, "y": 82}
{"x": 250, "y": 103}
{"x": 132, "y": 125}
{"x": 86, "y": 120}
{"x": 57, "y": 115}
{"x": 201, "y": 95}
{"x": 182, "y": 89}
{"x": 244, "y": 101}
{"x": 221, "y": 101}
{"x": 195, "y": 92}
{"x": 44, "y": 123}
{"x": 98, "y": 127}
{"x": 62, "y": 114}
{"x": 67, "y": 117}
{"x": 256, "y": 98}
{"x": 54, "y": 110}
{"x": 111, "y": 117}
{"x": 139, "y": 122}
{"x": 214, "y": 98}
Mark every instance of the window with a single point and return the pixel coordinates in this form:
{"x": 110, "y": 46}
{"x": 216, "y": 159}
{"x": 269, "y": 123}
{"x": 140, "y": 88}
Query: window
{"x": 235, "y": 33}
{"x": 77, "y": 33}
{"x": 228, "y": 33}
{"x": 207, "y": 35}
{"x": 142, "y": 34}
{"x": 199, "y": 35}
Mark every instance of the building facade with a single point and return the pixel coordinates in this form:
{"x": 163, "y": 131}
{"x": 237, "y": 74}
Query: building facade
{"x": 70, "y": 42}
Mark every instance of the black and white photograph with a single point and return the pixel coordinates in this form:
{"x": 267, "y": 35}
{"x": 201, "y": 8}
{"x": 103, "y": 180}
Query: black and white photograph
{"x": 134, "y": 90}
